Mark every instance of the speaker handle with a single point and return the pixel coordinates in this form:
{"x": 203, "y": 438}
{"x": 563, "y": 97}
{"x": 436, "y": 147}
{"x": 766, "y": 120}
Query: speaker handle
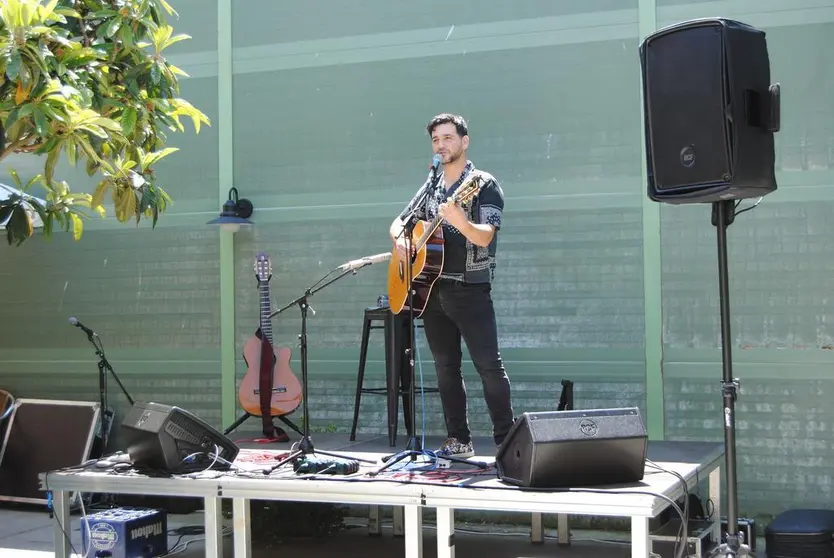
{"x": 774, "y": 117}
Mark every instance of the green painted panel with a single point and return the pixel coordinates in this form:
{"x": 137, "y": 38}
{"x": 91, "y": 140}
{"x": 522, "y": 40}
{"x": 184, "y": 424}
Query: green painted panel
{"x": 152, "y": 297}
{"x": 268, "y": 23}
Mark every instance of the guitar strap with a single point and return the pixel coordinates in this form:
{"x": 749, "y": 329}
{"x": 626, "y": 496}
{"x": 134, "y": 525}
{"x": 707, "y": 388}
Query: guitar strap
{"x": 265, "y": 384}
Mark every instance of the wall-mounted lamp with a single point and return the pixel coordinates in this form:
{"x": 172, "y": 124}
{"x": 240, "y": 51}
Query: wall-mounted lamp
{"x": 236, "y": 212}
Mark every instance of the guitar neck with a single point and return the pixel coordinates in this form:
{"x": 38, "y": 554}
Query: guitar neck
{"x": 266, "y": 323}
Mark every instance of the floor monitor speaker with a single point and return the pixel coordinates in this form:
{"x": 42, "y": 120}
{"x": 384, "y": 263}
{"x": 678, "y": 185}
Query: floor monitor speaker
{"x": 562, "y": 449}
{"x": 710, "y": 112}
{"x": 171, "y": 439}
{"x": 44, "y": 435}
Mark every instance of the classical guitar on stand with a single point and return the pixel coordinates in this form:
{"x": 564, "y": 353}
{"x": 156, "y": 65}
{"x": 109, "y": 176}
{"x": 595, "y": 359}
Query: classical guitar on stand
{"x": 269, "y": 389}
{"x": 428, "y": 257}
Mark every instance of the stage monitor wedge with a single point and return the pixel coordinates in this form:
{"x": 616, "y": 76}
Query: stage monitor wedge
{"x": 162, "y": 437}
{"x": 710, "y": 112}
{"x": 582, "y": 448}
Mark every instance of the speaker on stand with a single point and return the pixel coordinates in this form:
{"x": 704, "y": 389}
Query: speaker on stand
{"x": 710, "y": 114}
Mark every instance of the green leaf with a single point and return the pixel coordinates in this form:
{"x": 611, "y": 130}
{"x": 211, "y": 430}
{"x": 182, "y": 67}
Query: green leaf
{"x": 41, "y": 124}
{"x": 13, "y": 65}
{"x": 77, "y": 226}
{"x": 156, "y": 74}
{"x": 5, "y": 212}
{"x": 128, "y": 120}
{"x": 52, "y": 160}
{"x": 16, "y": 178}
{"x": 98, "y": 195}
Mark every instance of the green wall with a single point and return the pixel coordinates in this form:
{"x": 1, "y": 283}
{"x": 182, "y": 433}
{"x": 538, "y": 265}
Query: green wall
{"x": 318, "y": 117}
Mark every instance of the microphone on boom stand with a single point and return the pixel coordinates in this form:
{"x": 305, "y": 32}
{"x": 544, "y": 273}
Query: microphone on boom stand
{"x": 103, "y": 368}
{"x": 362, "y": 262}
{"x": 305, "y": 457}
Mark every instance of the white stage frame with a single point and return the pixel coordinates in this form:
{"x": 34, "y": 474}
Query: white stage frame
{"x": 632, "y": 501}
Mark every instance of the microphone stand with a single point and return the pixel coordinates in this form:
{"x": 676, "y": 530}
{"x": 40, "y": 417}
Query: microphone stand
{"x": 414, "y": 447}
{"x": 103, "y": 367}
{"x": 305, "y": 446}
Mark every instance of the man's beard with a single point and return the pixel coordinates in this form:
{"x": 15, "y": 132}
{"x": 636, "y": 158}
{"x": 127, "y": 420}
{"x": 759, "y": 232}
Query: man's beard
{"x": 453, "y": 157}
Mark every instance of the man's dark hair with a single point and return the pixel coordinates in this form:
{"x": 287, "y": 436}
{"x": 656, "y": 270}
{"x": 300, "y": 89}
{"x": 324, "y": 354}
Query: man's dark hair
{"x": 446, "y": 118}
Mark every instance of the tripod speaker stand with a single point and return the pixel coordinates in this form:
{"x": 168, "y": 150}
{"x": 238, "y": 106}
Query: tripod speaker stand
{"x": 305, "y": 446}
{"x": 718, "y": 149}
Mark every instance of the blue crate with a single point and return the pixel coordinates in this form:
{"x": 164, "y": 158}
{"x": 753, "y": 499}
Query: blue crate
{"x": 125, "y": 533}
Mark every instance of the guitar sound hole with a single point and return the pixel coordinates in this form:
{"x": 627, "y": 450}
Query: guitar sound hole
{"x": 402, "y": 272}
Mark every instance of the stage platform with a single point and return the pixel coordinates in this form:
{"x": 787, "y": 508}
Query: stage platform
{"x": 444, "y": 490}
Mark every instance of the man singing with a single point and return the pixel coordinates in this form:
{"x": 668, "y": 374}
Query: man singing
{"x": 460, "y": 304}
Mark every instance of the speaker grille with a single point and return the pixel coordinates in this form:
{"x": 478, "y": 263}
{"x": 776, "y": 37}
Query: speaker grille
{"x": 689, "y": 123}
{"x": 574, "y": 448}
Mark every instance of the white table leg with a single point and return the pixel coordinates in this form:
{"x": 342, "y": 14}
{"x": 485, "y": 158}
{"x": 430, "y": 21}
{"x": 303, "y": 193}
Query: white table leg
{"x": 536, "y": 528}
{"x": 242, "y": 527}
{"x": 62, "y": 529}
{"x": 563, "y": 530}
{"x": 640, "y": 537}
{"x": 445, "y": 533}
{"x": 715, "y": 497}
{"x": 397, "y": 517}
{"x": 413, "y": 531}
{"x": 214, "y": 528}
{"x": 374, "y": 527}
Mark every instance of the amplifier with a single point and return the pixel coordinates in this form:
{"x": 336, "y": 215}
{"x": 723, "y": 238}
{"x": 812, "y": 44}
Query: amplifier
{"x": 125, "y": 533}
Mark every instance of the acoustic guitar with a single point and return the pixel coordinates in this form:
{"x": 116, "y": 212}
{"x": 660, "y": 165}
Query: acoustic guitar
{"x": 427, "y": 261}
{"x": 269, "y": 388}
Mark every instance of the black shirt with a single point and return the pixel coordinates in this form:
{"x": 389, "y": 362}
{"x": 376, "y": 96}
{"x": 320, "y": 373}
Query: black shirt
{"x": 463, "y": 260}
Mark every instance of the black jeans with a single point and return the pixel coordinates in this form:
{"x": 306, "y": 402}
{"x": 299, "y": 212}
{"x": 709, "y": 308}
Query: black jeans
{"x": 456, "y": 310}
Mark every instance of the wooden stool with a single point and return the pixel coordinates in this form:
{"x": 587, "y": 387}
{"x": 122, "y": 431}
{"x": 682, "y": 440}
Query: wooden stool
{"x": 397, "y": 372}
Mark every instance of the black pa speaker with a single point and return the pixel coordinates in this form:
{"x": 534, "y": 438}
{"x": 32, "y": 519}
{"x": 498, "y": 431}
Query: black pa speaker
{"x": 710, "y": 112}
{"x": 170, "y": 439}
{"x": 562, "y": 449}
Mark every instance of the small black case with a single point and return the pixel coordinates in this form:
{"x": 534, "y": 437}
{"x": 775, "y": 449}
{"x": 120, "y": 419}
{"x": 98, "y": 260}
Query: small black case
{"x": 801, "y": 534}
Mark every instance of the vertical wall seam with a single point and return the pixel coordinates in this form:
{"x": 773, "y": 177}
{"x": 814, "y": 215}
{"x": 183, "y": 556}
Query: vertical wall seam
{"x": 225, "y": 162}
{"x": 653, "y": 305}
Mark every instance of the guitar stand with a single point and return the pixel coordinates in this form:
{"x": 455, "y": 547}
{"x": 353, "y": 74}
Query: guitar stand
{"x": 243, "y": 418}
{"x": 414, "y": 447}
{"x": 305, "y": 446}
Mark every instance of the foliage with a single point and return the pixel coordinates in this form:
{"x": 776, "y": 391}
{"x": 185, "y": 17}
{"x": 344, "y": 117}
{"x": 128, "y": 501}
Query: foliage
{"x": 88, "y": 79}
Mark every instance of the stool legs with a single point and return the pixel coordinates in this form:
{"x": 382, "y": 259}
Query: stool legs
{"x": 394, "y": 356}
{"x": 404, "y": 370}
{"x": 360, "y": 376}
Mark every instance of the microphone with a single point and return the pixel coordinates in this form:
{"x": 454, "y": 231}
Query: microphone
{"x": 74, "y": 321}
{"x": 367, "y": 260}
{"x": 435, "y": 162}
